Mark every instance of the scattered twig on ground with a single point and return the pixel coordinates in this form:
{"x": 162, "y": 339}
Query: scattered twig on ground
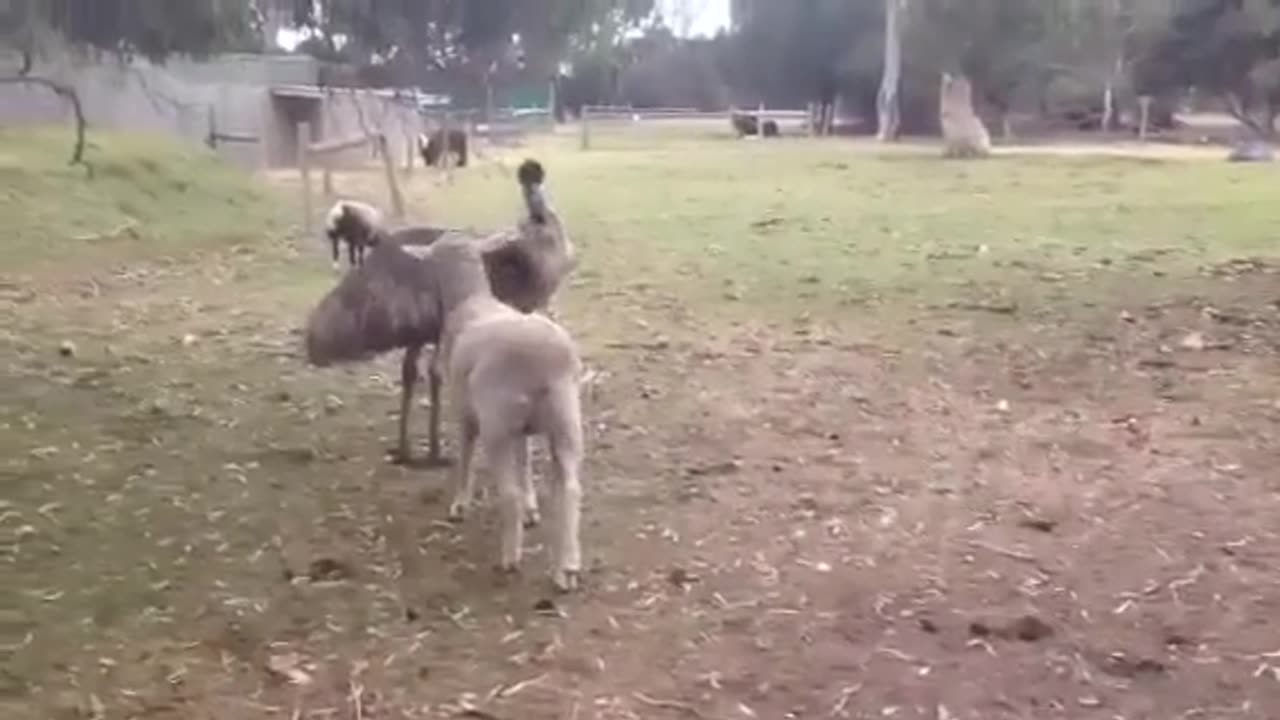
{"x": 669, "y": 705}
{"x": 842, "y": 702}
{"x": 1009, "y": 553}
{"x": 113, "y": 234}
{"x": 1188, "y": 579}
{"x": 506, "y": 691}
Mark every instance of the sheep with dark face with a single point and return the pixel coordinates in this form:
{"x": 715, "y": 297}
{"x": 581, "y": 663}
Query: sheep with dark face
{"x": 432, "y": 148}
{"x": 391, "y": 300}
{"x": 357, "y": 224}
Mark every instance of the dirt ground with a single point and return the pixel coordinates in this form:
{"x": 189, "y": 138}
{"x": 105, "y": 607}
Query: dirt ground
{"x": 1014, "y": 514}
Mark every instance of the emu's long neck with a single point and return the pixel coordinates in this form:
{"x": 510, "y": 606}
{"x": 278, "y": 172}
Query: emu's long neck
{"x": 536, "y": 203}
{"x": 462, "y": 281}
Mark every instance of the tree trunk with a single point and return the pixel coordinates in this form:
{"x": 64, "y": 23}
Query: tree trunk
{"x": 66, "y": 92}
{"x": 887, "y": 106}
{"x": 1108, "y": 106}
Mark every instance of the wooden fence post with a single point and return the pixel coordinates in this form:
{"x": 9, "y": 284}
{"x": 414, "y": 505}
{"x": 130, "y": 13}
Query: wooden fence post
{"x": 446, "y": 157}
{"x": 304, "y": 167}
{"x": 409, "y": 151}
{"x": 1144, "y": 119}
{"x": 584, "y": 117}
{"x": 327, "y": 176}
{"x": 393, "y": 185}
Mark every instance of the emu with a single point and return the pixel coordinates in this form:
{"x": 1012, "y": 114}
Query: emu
{"x": 357, "y": 224}
{"x": 432, "y": 148}
{"x": 510, "y": 375}
{"x": 392, "y": 299}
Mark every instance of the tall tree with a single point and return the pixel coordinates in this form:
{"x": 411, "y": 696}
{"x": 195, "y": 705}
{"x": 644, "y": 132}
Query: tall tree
{"x": 888, "y": 109}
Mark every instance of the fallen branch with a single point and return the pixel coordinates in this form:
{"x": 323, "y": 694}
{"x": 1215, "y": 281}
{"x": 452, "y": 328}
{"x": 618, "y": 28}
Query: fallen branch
{"x": 63, "y": 91}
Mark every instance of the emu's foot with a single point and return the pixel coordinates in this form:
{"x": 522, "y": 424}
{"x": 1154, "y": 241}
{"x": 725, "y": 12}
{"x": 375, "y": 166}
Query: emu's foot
{"x": 407, "y": 459}
{"x": 506, "y": 573}
{"x": 565, "y": 580}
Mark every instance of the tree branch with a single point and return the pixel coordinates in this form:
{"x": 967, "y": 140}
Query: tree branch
{"x": 1237, "y": 109}
{"x": 69, "y": 94}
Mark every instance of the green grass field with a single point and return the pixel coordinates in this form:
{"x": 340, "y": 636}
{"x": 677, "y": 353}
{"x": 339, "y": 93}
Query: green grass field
{"x": 856, "y": 414}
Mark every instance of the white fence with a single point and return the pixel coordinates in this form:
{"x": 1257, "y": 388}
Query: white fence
{"x": 597, "y": 116}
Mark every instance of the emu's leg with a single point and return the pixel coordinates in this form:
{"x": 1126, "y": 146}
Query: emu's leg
{"x": 408, "y": 378}
{"x": 531, "y": 516}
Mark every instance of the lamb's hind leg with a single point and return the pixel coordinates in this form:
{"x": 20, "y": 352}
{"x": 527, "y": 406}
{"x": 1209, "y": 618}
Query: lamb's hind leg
{"x": 531, "y": 516}
{"x": 464, "y": 477}
{"x": 566, "y": 487}
{"x": 503, "y": 453}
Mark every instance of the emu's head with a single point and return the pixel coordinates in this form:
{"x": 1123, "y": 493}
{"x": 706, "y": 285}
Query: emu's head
{"x": 543, "y": 225}
{"x": 531, "y": 176}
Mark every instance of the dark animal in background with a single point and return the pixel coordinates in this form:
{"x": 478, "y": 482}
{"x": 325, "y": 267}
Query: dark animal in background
{"x": 747, "y": 124}
{"x": 744, "y": 124}
{"x": 432, "y": 148}
{"x": 392, "y": 300}
{"x": 1251, "y": 151}
{"x": 357, "y": 224}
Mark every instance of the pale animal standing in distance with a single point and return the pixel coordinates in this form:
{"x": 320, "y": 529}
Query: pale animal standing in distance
{"x": 964, "y": 135}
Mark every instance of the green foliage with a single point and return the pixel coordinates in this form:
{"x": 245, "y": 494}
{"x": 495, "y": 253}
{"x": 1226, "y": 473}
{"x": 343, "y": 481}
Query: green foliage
{"x": 155, "y": 29}
{"x": 796, "y": 52}
{"x": 452, "y": 34}
{"x": 1224, "y": 47}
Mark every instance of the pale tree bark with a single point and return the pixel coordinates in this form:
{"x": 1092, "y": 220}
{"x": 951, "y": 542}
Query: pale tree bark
{"x": 887, "y": 104}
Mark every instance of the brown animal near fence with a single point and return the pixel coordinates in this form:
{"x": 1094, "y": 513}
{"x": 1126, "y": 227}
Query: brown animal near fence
{"x": 450, "y": 142}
